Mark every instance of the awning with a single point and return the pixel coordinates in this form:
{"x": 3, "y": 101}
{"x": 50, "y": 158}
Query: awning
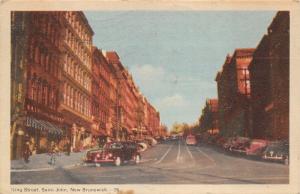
{"x": 43, "y": 126}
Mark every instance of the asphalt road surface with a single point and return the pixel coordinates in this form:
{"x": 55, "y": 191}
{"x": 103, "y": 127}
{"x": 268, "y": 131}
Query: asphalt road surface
{"x": 171, "y": 162}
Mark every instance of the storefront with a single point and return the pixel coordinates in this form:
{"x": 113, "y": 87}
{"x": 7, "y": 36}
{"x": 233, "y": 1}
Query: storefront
{"x": 41, "y": 133}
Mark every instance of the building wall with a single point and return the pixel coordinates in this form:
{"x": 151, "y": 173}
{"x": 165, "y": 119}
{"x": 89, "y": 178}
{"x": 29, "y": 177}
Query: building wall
{"x": 260, "y": 88}
{"x": 69, "y": 85}
{"x": 209, "y": 120}
{"x": 270, "y": 81}
{"x": 101, "y": 92}
{"x": 40, "y": 89}
{"x": 234, "y": 93}
{"x": 19, "y": 46}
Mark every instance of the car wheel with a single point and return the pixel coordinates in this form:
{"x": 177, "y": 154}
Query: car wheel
{"x": 118, "y": 161}
{"x": 137, "y": 159}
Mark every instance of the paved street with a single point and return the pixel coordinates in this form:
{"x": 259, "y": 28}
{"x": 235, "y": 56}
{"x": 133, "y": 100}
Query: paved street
{"x": 167, "y": 163}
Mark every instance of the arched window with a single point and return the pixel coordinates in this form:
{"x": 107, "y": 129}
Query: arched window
{"x": 44, "y": 93}
{"x": 51, "y": 97}
{"x": 33, "y": 95}
{"x": 81, "y": 77}
{"x": 68, "y": 95}
{"x": 71, "y": 68}
{"x": 39, "y": 91}
{"x": 71, "y": 97}
{"x": 75, "y": 99}
{"x": 36, "y": 54}
{"x": 84, "y": 105}
{"x": 75, "y": 71}
{"x": 65, "y": 93}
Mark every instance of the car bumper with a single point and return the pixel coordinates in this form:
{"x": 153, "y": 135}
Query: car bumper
{"x": 98, "y": 160}
{"x": 273, "y": 157}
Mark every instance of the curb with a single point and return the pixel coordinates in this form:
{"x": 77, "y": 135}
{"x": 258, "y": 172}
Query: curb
{"x": 47, "y": 168}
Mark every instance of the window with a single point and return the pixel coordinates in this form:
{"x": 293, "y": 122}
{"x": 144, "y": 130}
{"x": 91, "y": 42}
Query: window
{"x": 68, "y": 95}
{"x": 44, "y": 94}
{"x": 71, "y": 97}
{"x": 39, "y": 94}
{"x": 36, "y": 54}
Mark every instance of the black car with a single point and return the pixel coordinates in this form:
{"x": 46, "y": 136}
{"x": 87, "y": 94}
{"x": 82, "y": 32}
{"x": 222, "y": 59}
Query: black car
{"x": 114, "y": 152}
{"x": 277, "y": 151}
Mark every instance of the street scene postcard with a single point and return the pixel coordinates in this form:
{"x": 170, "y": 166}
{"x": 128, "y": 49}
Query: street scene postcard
{"x": 104, "y": 101}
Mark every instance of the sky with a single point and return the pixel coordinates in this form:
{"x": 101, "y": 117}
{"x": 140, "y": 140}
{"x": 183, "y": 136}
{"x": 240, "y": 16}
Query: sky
{"x": 174, "y": 56}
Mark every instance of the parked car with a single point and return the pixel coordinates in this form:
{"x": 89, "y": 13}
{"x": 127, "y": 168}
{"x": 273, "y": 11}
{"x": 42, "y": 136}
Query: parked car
{"x": 191, "y": 140}
{"x": 228, "y": 143}
{"x": 142, "y": 146}
{"x": 220, "y": 141}
{"x": 256, "y": 147}
{"x": 114, "y": 152}
{"x": 277, "y": 151}
{"x": 240, "y": 145}
{"x": 151, "y": 140}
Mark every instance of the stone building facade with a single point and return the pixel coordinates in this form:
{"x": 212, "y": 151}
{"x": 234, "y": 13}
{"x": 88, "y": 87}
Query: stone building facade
{"x": 76, "y": 77}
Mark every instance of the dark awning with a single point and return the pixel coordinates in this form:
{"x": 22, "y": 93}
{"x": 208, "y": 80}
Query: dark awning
{"x": 43, "y": 126}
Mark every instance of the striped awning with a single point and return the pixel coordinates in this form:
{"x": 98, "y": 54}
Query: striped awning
{"x": 43, "y": 126}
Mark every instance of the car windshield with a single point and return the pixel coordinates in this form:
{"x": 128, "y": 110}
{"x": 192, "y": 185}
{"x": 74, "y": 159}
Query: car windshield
{"x": 115, "y": 145}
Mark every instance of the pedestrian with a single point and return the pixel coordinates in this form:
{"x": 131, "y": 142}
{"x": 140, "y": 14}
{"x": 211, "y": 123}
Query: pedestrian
{"x": 53, "y": 152}
{"x": 26, "y": 152}
{"x": 67, "y": 147}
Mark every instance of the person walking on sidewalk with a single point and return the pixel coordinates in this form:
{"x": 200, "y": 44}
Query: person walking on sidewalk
{"x": 53, "y": 152}
{"x": 67, "y": 147}
{"x": 26, "y": 152}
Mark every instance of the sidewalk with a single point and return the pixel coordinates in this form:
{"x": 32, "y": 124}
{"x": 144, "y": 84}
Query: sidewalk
{"x": 41, "y": 162}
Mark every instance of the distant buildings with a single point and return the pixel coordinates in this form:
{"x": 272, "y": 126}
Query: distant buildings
{"x": 253, "y": 88}
{"x": 66, "y": 89}
{"x": 209, "y": 119}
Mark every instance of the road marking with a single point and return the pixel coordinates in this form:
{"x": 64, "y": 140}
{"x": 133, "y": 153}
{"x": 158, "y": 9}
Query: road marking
{"x": 203, "y": 153}
{"x": 148, "y": 160}
{"x": 163, "y": 157}
{"x": 47, "y": 169}
{"x": 31, "y": 170}
{"x": 191, "y": 155}
{"x": 178, "y": 153}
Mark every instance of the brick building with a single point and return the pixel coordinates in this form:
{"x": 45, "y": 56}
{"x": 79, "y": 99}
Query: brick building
{"x": 234, "y": 93}
{"x": 76, "y": 77}
{"x": 134, "y": 115}
{"x": 152, "y": 119}
{"x": 43, "y": 121}
{"x": 101, "y": 94}
{"x": 269, "y": 73}
{"x": 209, "y": 121}
{"x": 63, "y": 88}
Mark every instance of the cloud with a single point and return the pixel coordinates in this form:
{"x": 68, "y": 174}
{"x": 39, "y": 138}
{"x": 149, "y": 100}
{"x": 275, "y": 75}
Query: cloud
{"x": 176, "y": 100}
{"x": 145, "y": 73}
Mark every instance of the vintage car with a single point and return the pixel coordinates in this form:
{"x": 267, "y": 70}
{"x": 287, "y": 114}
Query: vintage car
{"x": 228, "y": 142}
{"x": 114, "y": 152}
{"x": 240, "y": 145}
{"x": 256, "y": 147}
{"x": 191, "y": 140}
{"x": 277, "y": 151}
